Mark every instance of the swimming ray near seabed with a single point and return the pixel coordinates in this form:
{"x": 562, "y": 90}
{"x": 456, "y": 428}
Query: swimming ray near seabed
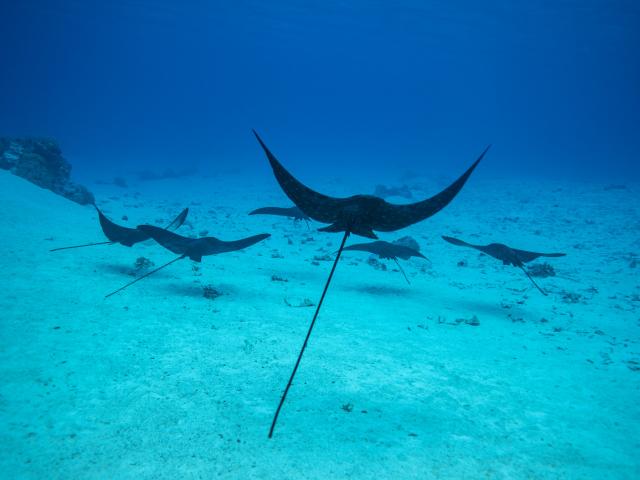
{"x": 194, "y": 248}
{"x": 358, "y": 215}
{"x": 124, "y": 235}
{"x": 388, "y": 251}
{"x": 508, "y": 255}
{"x": 291, "y": 212}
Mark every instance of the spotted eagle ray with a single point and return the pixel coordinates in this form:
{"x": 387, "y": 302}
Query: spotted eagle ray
{"x": 194, "y": 248}
{"x": 358, "y": 214}
{"x": 291, "y": 212}
{"x": 388, "y": 251}
{"x": 124, "y": 235}
{"x": 508, "y": 255}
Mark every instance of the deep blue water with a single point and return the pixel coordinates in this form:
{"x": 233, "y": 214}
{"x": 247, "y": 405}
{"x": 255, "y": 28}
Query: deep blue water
{"x": 461, "y": 369}
{"x": 331, "y": 85}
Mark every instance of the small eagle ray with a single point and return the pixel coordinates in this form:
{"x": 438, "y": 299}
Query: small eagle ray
{"x": 124, "y": 235}
{"x": 193, "y": 248}
{"x": 508, "y": 255}
{"x": 388, "y": 251}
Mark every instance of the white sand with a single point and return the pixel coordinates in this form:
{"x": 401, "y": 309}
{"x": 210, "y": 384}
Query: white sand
{"x": 160, "y": 382}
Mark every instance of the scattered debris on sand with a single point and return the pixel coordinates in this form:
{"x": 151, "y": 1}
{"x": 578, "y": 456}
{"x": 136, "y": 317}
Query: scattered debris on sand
{"x": 141, "y": 264}
{"x": 210, "y": 292}
{"x": 542, "y": 270}
{"x": 297, "y": 303}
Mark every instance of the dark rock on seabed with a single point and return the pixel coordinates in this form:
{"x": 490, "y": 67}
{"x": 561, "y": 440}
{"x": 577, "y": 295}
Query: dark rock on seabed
{"x": 542, "y": 270}
{"x": 40, "y": 161}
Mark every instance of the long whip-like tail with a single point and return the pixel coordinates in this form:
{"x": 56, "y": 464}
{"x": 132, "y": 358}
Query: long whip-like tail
{"x": 306, "y": 340}
{"x": 402, "y": 271}
{"x": 145, "y": 276}
{"x": 80, "y": 246}
{"x": 532, "y": 280}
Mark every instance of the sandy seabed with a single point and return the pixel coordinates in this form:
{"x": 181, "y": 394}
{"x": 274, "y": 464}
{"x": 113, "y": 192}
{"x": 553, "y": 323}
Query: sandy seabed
{"x": 161, "y": 382}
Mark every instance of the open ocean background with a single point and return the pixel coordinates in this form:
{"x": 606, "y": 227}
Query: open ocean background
{"x": 467, "y": 372}
{"x": 346, "y": 86}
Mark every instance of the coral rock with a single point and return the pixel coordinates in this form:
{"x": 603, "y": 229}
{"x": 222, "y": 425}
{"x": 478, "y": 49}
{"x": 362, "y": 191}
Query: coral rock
{"x": 40, "y": 161}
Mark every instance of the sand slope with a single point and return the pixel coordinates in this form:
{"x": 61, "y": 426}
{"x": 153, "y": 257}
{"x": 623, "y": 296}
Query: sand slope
{"x": 160, "y": 382}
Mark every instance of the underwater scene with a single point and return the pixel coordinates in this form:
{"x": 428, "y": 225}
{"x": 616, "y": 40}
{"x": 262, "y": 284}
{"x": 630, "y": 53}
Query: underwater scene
{"x": 320, "y": 239}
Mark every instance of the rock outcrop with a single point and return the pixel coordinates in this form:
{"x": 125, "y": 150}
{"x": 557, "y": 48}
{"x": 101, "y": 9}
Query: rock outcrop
{"x": 40, "y": 161}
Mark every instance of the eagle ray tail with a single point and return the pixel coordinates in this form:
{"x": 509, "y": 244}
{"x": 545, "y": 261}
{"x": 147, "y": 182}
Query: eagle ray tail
{"x": 306, "y": 340}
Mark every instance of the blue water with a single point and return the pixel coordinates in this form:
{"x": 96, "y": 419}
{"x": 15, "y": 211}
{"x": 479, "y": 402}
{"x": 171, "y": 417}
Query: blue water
{"x": 452, "y": 365}
{"x": 554, "y": 85}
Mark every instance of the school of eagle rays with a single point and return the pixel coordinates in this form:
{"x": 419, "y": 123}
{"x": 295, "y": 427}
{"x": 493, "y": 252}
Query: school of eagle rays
{"x": 360, "y": 215}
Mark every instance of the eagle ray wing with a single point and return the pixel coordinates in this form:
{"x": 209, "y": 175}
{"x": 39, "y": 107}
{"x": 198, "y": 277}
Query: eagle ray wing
{"x": 319, "y": 207}
{"x": 393, "y": 217}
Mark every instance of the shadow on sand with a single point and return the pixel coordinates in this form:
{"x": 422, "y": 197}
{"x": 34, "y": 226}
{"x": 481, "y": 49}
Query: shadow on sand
{"x": 380, "y": 290}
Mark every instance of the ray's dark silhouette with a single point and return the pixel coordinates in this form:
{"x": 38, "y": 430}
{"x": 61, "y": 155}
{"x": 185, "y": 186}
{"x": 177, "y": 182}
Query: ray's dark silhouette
{"x": 508, "y": 255}
{"x": 291, "y": 212}
{"x": 193, "y": 248}
{"x": 388, "y": 251}
{"x": 124, "y": 235}
{"x": 362, "y": 214}
{"x": 358, "y": 214}
{"x": 196, "y": 248}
